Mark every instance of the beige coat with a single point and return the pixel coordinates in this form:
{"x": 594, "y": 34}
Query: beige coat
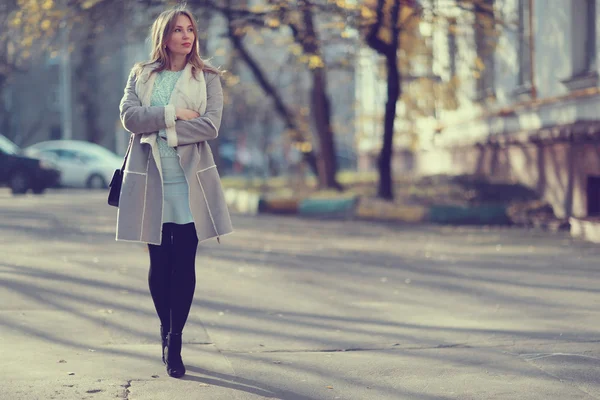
{"x": 139, "y": 218}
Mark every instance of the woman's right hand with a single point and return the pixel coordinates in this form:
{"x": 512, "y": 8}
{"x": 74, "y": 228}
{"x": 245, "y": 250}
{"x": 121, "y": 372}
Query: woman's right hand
{"x": 185, "y": 114}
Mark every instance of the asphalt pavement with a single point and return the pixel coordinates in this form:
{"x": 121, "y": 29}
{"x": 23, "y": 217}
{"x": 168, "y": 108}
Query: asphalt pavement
{"x": 297, "y": 309}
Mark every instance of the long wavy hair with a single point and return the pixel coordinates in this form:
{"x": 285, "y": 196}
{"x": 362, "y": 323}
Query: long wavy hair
{"x": 159, "y": 35}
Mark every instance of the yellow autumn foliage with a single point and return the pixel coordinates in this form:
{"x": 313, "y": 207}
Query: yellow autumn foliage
{"x": 47, "y": 5}
{"x": 272, "y": 22}
{"x": 315, "y": 61}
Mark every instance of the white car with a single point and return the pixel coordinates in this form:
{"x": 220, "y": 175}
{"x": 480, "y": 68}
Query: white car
{"x": 82, "y": 164}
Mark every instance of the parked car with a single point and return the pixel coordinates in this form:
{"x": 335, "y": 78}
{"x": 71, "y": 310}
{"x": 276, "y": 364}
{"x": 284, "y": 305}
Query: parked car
{"x": 82, "y": 164}
{"x": 22, "y": 173}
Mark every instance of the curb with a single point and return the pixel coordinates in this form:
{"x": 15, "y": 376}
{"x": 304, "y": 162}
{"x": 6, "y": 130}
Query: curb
{"x": 328, "y": 208}
{"x": 246, "y": 202}
{"x": 484, "y": 214}
{"x": 375, "y": 209}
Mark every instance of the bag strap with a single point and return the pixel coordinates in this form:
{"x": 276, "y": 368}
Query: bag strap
{"x": 127, "y": 152}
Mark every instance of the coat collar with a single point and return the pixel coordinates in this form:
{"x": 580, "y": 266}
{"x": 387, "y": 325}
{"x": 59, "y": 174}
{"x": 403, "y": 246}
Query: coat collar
{"x": 185, "y": 85}
{"x": 147, "y": 78}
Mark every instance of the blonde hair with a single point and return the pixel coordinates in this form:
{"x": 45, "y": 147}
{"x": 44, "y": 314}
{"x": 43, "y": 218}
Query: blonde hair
{"x": 159, "y": 35}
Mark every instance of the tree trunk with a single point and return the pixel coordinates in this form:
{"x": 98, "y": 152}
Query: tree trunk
{"x": 322, "y": 113}
{"x": 308, "y": 37}
{"x": 386, "y": 181}
{"x": 390, "y": 51}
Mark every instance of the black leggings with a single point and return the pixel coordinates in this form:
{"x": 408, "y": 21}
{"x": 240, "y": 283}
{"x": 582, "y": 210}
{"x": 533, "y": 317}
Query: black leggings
{"x": 172, "y": 276}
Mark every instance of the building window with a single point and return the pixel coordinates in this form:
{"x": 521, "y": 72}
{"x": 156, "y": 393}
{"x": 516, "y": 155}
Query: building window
{"x": 583, "y": 45}
{"x": 524, "y": 40}
{"x": 584, "y": 36}
{"x": 485, "y": 44}
{"x": 590, "y": 36}
{"x": 452, "y": 47}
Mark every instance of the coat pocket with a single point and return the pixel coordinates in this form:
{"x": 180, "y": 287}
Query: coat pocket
{"x": 131, "y": 205}
{"x": 210, "y": 184}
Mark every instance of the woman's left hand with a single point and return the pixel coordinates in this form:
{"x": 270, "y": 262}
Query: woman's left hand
{"x": 185, "y": 114}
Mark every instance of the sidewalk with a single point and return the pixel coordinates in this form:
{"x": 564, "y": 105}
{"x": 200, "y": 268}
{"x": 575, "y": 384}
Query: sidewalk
{"x": 298, "y": 309}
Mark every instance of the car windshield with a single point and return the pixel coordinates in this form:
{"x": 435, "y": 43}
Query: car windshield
{"x": 88, "y": 157}
{"x": 8, "y": 147}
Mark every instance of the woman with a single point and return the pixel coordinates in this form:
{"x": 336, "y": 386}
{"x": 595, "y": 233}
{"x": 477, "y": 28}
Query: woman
{"x": 171, "y": 196}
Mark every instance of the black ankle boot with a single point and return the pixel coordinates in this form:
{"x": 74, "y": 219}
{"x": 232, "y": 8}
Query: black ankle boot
{"x": 175, "y": 367}
{"x": 163, "y": 337}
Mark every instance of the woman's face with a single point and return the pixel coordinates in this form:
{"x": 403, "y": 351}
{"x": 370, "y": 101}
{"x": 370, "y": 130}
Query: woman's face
{"x": 182, "y": 39}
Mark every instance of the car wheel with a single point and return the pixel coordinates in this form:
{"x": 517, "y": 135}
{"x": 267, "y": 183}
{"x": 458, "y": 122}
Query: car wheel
{"x": 96, "y": 182}
{"x": 38, "y": 189}
{"x": 19, "y": 183}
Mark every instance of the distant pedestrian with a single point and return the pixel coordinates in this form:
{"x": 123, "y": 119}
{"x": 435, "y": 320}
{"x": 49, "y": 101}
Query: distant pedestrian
{"x": 171, "y": 196}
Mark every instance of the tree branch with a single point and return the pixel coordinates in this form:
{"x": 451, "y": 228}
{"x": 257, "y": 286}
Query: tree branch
{"x": 237, "y": 41}
{"x": 372, "y": 39}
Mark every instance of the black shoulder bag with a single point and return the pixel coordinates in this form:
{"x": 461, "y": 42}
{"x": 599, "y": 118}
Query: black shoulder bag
{"x": 114, "y": 191}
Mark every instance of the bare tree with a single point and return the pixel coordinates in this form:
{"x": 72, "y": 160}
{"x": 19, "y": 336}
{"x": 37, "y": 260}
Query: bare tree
{"x": 306, "y": 34}
{"x": 236, "y": 35}
{"x": 285, "y": 13}
{"x": 389, "y": 50}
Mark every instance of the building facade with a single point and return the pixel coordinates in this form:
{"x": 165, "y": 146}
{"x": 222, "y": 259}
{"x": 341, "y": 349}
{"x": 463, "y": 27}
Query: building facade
{"x": 526, "y": 98}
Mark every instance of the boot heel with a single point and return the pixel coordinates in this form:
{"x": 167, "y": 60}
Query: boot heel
{"x": 163, "y": 338}
{"x": 175, "y": 367}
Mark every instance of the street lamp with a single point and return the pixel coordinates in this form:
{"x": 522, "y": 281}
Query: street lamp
{"x": 66, "y": 113}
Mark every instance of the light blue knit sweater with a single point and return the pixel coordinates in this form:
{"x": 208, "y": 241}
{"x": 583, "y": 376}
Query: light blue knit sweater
{"x": 176, "y": 207}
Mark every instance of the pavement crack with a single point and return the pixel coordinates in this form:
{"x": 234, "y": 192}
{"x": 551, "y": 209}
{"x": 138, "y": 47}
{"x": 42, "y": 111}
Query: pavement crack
{"x": 537, "y": 356}
{"x": 306, "y": 351}
{"x": 126, "y": 391}
{"x": 354, "y": 349}
{"x": 452, "y": 346}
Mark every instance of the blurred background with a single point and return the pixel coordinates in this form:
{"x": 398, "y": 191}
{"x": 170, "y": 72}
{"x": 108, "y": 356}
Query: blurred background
{"x": 400, "y": 101}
